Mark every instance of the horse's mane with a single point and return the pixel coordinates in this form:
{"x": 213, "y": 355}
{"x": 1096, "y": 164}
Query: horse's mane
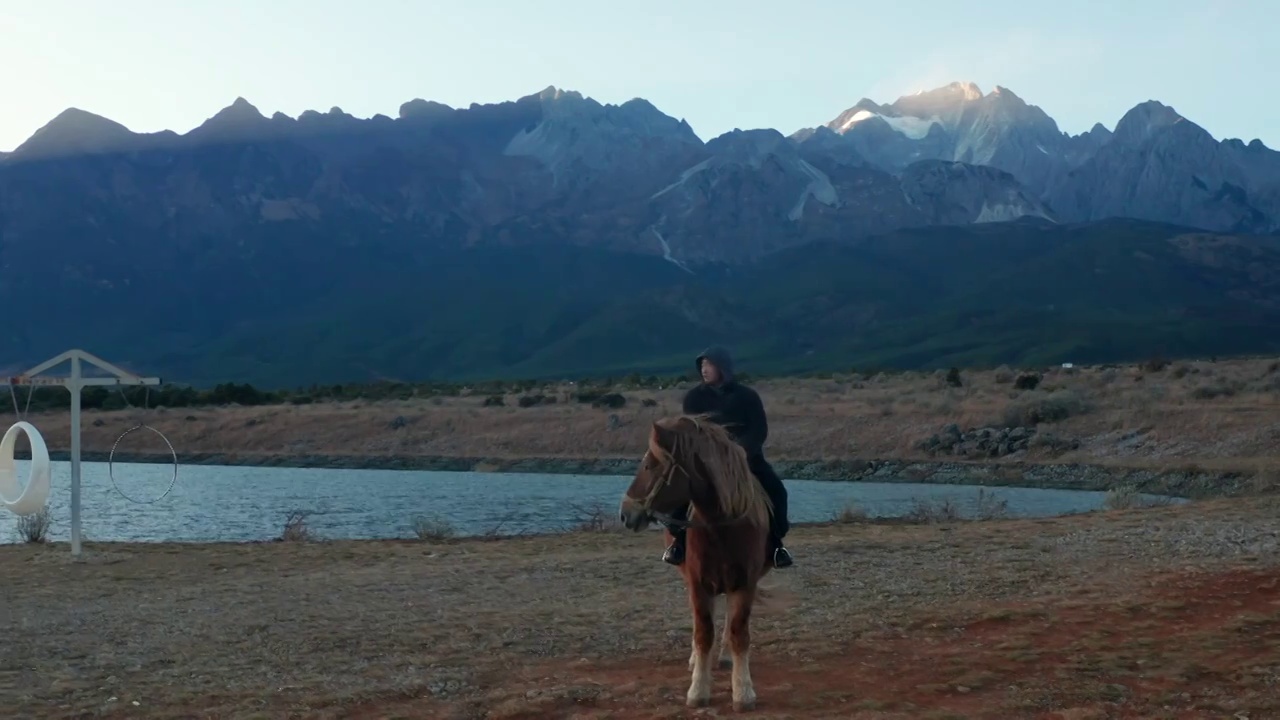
{"x": 739, "y": 492}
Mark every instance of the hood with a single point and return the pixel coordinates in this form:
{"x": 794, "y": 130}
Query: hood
{"x": 719, "y": 357}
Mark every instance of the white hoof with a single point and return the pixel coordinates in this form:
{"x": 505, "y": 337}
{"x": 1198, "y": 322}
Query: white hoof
{"x": 744, "y": 700}
{"x": 699, "y": 693}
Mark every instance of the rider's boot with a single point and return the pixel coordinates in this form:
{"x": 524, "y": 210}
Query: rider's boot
{"x": 674, "y": 554}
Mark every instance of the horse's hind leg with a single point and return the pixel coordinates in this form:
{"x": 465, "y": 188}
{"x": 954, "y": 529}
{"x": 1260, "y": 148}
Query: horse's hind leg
{"x": 702, "y": 604}
{"x": 738, "y": 632}
{"x": 726, "y": 659}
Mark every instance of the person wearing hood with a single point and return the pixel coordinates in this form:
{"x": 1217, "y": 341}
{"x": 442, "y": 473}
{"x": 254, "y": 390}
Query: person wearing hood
{"x": 739, "y": 409}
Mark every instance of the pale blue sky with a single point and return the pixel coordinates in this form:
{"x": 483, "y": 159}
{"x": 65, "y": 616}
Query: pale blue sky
{"x": 169, "y": 64}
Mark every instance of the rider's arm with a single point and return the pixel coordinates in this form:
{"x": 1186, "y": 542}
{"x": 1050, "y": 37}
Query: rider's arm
{"x": 755, "y": 428}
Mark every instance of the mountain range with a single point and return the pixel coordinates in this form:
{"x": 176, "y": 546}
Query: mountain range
{"x": 555, "y": 234}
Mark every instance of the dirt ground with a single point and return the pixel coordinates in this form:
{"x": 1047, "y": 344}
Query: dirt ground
{"x": 1169, "y": 612}
{"x": 1213, "y": 415}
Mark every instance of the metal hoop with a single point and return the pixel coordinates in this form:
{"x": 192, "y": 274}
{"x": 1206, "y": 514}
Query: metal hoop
{"x": 111, "y": 465}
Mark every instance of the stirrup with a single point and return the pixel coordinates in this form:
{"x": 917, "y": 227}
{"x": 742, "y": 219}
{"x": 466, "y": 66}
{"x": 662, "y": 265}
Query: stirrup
{"x": 782, "y": 557}
{"x": 674, "y": 554}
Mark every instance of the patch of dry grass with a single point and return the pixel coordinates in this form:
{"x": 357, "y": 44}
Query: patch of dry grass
{"x": 850, "y": 513}
{"x": 34, "y": 528}
{"x": 1126, "y": 612}
{"x": 1207, "y": 414}
{"x": 433, "y": 529}
{"x": 296, "y": 528}
{"x": 594, "y": 517}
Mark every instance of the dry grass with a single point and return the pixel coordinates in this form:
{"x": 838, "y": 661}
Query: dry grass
{"x": 850, "y": 513}
{"x": 296, "y": 528}
{"x": 34, "y": 528}
{"x": 433, "y": 529}
{"x": 1214, "y": 415}
{"x": 594, "y": 517}
{"x": 1158, "y": 612}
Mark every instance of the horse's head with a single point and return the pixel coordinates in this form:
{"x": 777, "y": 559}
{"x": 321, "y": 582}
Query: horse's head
{"x": 662, "y": 482}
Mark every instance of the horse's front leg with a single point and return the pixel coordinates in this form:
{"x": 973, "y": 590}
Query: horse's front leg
{"x": 701, "y": 603}
{"x": 738, "y": 633}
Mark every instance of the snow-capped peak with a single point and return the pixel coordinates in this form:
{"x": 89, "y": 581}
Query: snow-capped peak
{"x": 910, "y": 126}
{"x": 968, "y": 90}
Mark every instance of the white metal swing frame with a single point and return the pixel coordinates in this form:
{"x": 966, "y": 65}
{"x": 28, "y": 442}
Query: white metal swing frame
{"x": 74, "y": 383}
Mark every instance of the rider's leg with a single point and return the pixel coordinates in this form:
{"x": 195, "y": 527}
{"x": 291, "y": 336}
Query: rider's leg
{"x": 779, "y": 523}
{"x": 674, "y": 553}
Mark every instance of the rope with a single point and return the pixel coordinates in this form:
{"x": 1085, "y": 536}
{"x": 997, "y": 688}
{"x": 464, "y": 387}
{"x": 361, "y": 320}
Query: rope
{"x": 140, "y": 426}
{"x": 14, "y": 394}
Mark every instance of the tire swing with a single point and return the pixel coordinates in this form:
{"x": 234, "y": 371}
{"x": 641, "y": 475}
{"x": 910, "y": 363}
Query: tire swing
{"x": 111, "y": 472}
{"x": 32, "y": 498}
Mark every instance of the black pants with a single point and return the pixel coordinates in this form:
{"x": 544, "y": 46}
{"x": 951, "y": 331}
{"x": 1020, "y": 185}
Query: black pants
{"x": 779, "y": 523}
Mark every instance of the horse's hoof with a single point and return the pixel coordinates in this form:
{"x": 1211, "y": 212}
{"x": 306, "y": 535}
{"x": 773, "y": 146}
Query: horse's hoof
{"x": 697, "y": 702}
{"x": 744, "y": 706}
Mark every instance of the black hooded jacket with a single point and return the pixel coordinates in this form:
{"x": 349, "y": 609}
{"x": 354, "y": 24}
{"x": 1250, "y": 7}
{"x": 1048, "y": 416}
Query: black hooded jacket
{"x": 731, "y": 404}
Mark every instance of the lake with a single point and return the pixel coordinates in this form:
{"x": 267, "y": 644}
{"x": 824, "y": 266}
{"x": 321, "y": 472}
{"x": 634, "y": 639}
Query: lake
{"x": 224, "y": 503}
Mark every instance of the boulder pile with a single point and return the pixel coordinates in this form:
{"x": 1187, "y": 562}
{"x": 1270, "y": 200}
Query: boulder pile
{"x": 992, "y": 442}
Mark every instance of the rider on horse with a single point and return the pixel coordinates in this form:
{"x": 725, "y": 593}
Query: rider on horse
{"x": 738, "y": 408}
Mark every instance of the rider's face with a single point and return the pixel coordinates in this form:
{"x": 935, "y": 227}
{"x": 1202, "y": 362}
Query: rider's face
{"x": 710, "y": 373}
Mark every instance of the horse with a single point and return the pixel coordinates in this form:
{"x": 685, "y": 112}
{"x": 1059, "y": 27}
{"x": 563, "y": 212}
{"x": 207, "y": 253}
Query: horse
{"x": 693, "y": 461}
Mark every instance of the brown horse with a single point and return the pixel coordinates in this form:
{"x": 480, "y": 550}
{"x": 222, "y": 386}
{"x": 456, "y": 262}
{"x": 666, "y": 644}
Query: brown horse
{"x": 692, "y": 461}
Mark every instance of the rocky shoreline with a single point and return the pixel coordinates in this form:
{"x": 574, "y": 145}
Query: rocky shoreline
{"x": 1184, "y": 483}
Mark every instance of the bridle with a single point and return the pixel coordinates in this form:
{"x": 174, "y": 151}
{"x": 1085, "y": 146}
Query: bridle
{"x": 646, "y": 505}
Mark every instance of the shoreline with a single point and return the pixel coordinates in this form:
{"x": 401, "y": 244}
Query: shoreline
{"x": 1193, "y": 429}
{"x": 1187, "y": 483}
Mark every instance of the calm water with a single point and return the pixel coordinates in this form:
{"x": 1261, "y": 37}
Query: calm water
{"x": 245, "y": 503}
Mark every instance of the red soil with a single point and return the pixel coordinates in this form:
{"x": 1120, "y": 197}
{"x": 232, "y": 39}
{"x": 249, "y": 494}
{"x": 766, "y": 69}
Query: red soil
{"x": 1188, "y": 645}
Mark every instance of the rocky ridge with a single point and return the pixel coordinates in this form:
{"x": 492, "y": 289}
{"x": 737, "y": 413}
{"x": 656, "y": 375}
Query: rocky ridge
{"x": 557, "y": 166}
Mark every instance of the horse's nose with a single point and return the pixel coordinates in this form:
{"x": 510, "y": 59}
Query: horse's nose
{"x": 632, "y": 517}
